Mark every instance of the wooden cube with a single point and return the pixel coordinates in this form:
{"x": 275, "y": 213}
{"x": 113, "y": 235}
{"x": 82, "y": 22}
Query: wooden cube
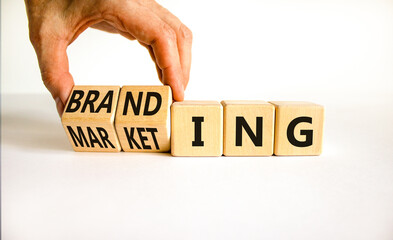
{"x": 143, "y": 118}
{"x": 88, "y": 118}
{"x": 299, "y": 128}
{"x": 248, "y": 128}
{"x": 196, "y": 128}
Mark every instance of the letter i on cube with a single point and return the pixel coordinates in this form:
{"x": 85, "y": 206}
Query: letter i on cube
{"x": 196, "y": 128}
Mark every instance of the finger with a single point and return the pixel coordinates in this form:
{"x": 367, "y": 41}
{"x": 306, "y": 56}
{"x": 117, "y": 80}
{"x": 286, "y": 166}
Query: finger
{"x": 157, "y": 34}
{"x": 184, "y": 38}
{"x": 53, "y": 61}
{"x": 153, "y": 57}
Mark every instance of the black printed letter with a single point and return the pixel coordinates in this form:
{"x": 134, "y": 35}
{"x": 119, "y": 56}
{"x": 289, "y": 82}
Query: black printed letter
{"x": 158, "y": 106}
{"x": 76, "y": 100}
{"x": 307, "y": 133}
{"x": 130, "y": 98}
{"x": 255, "y": 138}
{"x": 89, "y": 101}
{"x": 108, "y": 97}
{"x": 198, "y": 132}
{"x": 130, "y": 138}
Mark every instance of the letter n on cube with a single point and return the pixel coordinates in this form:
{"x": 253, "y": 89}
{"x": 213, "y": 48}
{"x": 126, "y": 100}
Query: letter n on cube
{"x": 248, "y": 128}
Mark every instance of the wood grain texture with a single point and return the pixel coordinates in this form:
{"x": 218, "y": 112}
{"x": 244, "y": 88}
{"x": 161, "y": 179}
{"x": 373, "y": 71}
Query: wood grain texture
{"x": 143, "y": 118}
{"x": 88, "y": 118}
{"x": 187, "y": 118}
{"x": 298, "y": 128}
{"x": 243, "y": 116}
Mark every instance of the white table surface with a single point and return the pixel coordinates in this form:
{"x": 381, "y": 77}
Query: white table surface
{"x": 51, "y": 192}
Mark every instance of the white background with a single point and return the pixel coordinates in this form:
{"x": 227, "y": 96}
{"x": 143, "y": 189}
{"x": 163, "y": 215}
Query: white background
{"x": 312, "y": 50}
{"x": 335, "y": 53}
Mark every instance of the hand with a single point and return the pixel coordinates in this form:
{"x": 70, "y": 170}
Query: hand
{"x": 55, "y": 24}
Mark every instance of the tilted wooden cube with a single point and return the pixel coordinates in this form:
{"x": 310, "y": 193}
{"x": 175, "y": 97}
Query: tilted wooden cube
{"x": 143, "y": 118}
{"x": 196, "y": 128}
{"x": 88, "y": 118}
{"x": 298, "y": 128}
{"x": 248, "y": 128}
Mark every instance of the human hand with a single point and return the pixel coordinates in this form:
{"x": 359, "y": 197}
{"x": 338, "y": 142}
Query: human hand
{"x": 55, "y": 24}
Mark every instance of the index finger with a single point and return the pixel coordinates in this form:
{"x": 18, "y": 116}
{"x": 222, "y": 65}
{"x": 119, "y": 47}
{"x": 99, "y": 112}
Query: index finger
{"x": 149, "y": 29}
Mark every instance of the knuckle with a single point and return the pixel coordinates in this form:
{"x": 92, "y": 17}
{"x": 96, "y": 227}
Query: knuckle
{"x": 53, "y": 80}
{"x": 185, "y": 33}
{"x": 48, "y": 77}
{"x": 38, "y": 36}
{"x": 168, "y": 33}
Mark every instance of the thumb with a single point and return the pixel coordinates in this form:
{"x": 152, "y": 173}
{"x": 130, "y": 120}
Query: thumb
{"x": 53, "y": 61}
